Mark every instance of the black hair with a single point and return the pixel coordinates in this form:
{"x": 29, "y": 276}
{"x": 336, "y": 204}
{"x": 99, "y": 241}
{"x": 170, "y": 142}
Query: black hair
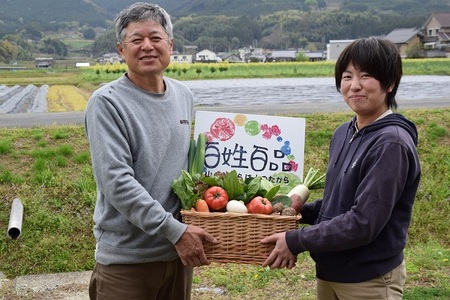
{"x": 378, "y": 57}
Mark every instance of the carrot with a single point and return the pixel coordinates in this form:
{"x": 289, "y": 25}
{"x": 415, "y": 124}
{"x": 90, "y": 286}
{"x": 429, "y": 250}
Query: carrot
{"x": 201, "y": 206}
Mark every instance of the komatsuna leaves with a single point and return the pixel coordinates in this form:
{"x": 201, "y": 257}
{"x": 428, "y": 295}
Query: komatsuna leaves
{"x": 233, "y": 185}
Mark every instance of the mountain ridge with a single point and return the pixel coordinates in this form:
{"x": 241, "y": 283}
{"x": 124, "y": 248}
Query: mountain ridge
{"x": 97, "y": 12}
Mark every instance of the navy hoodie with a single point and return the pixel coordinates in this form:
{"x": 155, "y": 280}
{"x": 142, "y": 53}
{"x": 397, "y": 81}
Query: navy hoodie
{"x": 359, "y": 228}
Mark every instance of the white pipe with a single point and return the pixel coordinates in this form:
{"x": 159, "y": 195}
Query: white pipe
{"x": 15, "y": 219}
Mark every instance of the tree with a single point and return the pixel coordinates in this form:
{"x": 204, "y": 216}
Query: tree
{"x": 53, "y": 46}
{"x": 414, "y": 51}
{"x": 8, "y": 51}
{"x": 89, "y": 33}
{"x": 301, "y": 56}
{"x": 24, "y": 49}
{"x": 105, "y": 44}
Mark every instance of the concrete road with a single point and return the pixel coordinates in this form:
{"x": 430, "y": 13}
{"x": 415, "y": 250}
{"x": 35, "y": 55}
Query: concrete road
{"x": 67, "y": 118}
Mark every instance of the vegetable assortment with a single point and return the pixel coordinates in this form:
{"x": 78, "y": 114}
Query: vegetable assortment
{"x": 226, "y": 192}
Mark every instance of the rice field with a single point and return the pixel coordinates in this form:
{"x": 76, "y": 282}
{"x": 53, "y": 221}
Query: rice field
{"x": 31, "y": 98}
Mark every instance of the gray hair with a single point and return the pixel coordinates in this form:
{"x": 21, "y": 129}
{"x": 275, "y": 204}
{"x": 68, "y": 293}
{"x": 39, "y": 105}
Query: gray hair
{"x": 142, "y": 11}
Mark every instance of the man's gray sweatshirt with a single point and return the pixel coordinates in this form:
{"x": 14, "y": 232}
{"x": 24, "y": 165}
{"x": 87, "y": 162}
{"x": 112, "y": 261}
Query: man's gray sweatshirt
{"x": 139, "y": 143}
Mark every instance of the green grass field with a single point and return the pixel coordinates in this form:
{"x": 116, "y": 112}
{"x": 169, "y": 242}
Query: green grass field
{"x": 65, "y": 72}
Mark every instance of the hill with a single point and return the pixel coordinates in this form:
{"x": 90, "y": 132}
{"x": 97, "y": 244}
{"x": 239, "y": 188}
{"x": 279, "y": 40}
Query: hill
{"x": 179, "y": 8}
{"x": 25, "y": 11}
{"x": 96, "y": 12}
{"x": 217, "y": 25}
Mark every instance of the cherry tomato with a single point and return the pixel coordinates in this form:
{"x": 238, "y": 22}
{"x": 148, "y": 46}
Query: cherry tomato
{"x": 216, "y": 197}
{"x": 260, "y": 205}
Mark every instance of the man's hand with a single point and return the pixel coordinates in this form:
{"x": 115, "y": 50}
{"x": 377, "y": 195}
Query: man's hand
{"x": 190, "y": 246}
{"x": 281, "y": 256}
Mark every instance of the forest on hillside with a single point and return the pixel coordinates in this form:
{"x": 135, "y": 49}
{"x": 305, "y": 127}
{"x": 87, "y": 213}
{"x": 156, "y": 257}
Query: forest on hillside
{"x": 30, "y": 28}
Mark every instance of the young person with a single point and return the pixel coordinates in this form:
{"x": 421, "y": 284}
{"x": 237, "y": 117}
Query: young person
{"x": 139, "y": 128}
{"x": 359, "y": 228}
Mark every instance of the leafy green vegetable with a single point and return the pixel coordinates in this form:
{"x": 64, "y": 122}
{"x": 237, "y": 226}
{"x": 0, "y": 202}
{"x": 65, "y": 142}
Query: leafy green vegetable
{"x": 233, "y": 185}
{"x": 212, "y": 180}
{"x": 283, "y": 199}
{"x": 272, "y": 192}
{"x": 292, "y": 179}
{"x": 196, "y": 155}
{"x": 183, "y": 187}
{"x": 313, "y": 181}
{"x": 259, "y": 186}
{"x": 252, "y": 188}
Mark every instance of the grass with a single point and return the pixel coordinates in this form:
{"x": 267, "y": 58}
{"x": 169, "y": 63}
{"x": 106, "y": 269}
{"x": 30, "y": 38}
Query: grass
{"x": 48, "y": 168}
{"x": 65, "y": 73}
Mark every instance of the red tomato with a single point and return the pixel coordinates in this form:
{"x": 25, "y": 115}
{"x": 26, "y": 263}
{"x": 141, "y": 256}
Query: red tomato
{"x": 260, "y": 205}
{"x": 216, "y": 197}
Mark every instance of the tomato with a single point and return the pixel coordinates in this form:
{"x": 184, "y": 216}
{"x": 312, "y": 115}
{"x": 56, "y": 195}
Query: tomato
{"x": 260, "y": 205}
{"x": 216, "y": 197}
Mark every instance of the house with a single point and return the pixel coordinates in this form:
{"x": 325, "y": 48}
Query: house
{"x": 335, "y": 47}
{"x": 283, "y": 55}
{"x": 43, "y": 62}
{"x": 316, "y": 55}
{"x": 110, "y": 58}
{"x": 181, "y": 58}
{"x": 206, "y": 56}
{"x": 404, "y": 38}
{"x": 190, "y": 49}
{"x": 436, "y": 32}
{"x": 255, "y": 58}
{"x": 230, "y": 57}
{"x": 245, "y": 53}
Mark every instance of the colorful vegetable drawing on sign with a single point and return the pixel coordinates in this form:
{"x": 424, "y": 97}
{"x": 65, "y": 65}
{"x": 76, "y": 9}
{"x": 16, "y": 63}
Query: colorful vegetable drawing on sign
{"x": 253, "y": 145}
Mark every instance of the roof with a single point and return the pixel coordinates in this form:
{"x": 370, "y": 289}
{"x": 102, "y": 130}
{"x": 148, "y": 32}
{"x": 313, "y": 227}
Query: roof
{"x": 283, "y": 53}
{"x": 111, "y": 55}
{"x": 442, "y": 18}
{"x": 444, "y": 37}
{"x": 340, "y": 41}
{"x": 315, "y": 54}
{"x": 228, "y": 55}
{"x": 206, "y": 51}
{"x": 401, "y": 35}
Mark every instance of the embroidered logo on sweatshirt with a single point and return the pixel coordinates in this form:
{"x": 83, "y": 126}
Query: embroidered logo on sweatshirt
{"x": 185, "y": 122}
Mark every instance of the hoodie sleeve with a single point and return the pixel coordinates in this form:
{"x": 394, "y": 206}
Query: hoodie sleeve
{"x": 310, "y": 212}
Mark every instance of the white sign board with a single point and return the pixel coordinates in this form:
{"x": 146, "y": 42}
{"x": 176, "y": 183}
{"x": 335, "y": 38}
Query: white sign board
{"x": 253, "y": 145}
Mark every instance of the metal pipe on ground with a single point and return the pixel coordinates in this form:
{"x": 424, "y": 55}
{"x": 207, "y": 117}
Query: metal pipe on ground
{"x": 15, "y": 220}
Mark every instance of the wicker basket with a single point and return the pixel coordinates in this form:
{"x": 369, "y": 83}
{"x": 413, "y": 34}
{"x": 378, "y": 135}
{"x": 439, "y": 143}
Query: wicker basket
{"x": 239, "y": 235}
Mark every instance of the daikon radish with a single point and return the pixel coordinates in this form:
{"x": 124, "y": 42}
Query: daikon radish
{"x": 300, "y": 193}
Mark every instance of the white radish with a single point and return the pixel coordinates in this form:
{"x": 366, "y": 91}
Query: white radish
{"x": 236, "y": 206}
{"x": 300, "y": 190}
{"x": 300, "y": 193}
